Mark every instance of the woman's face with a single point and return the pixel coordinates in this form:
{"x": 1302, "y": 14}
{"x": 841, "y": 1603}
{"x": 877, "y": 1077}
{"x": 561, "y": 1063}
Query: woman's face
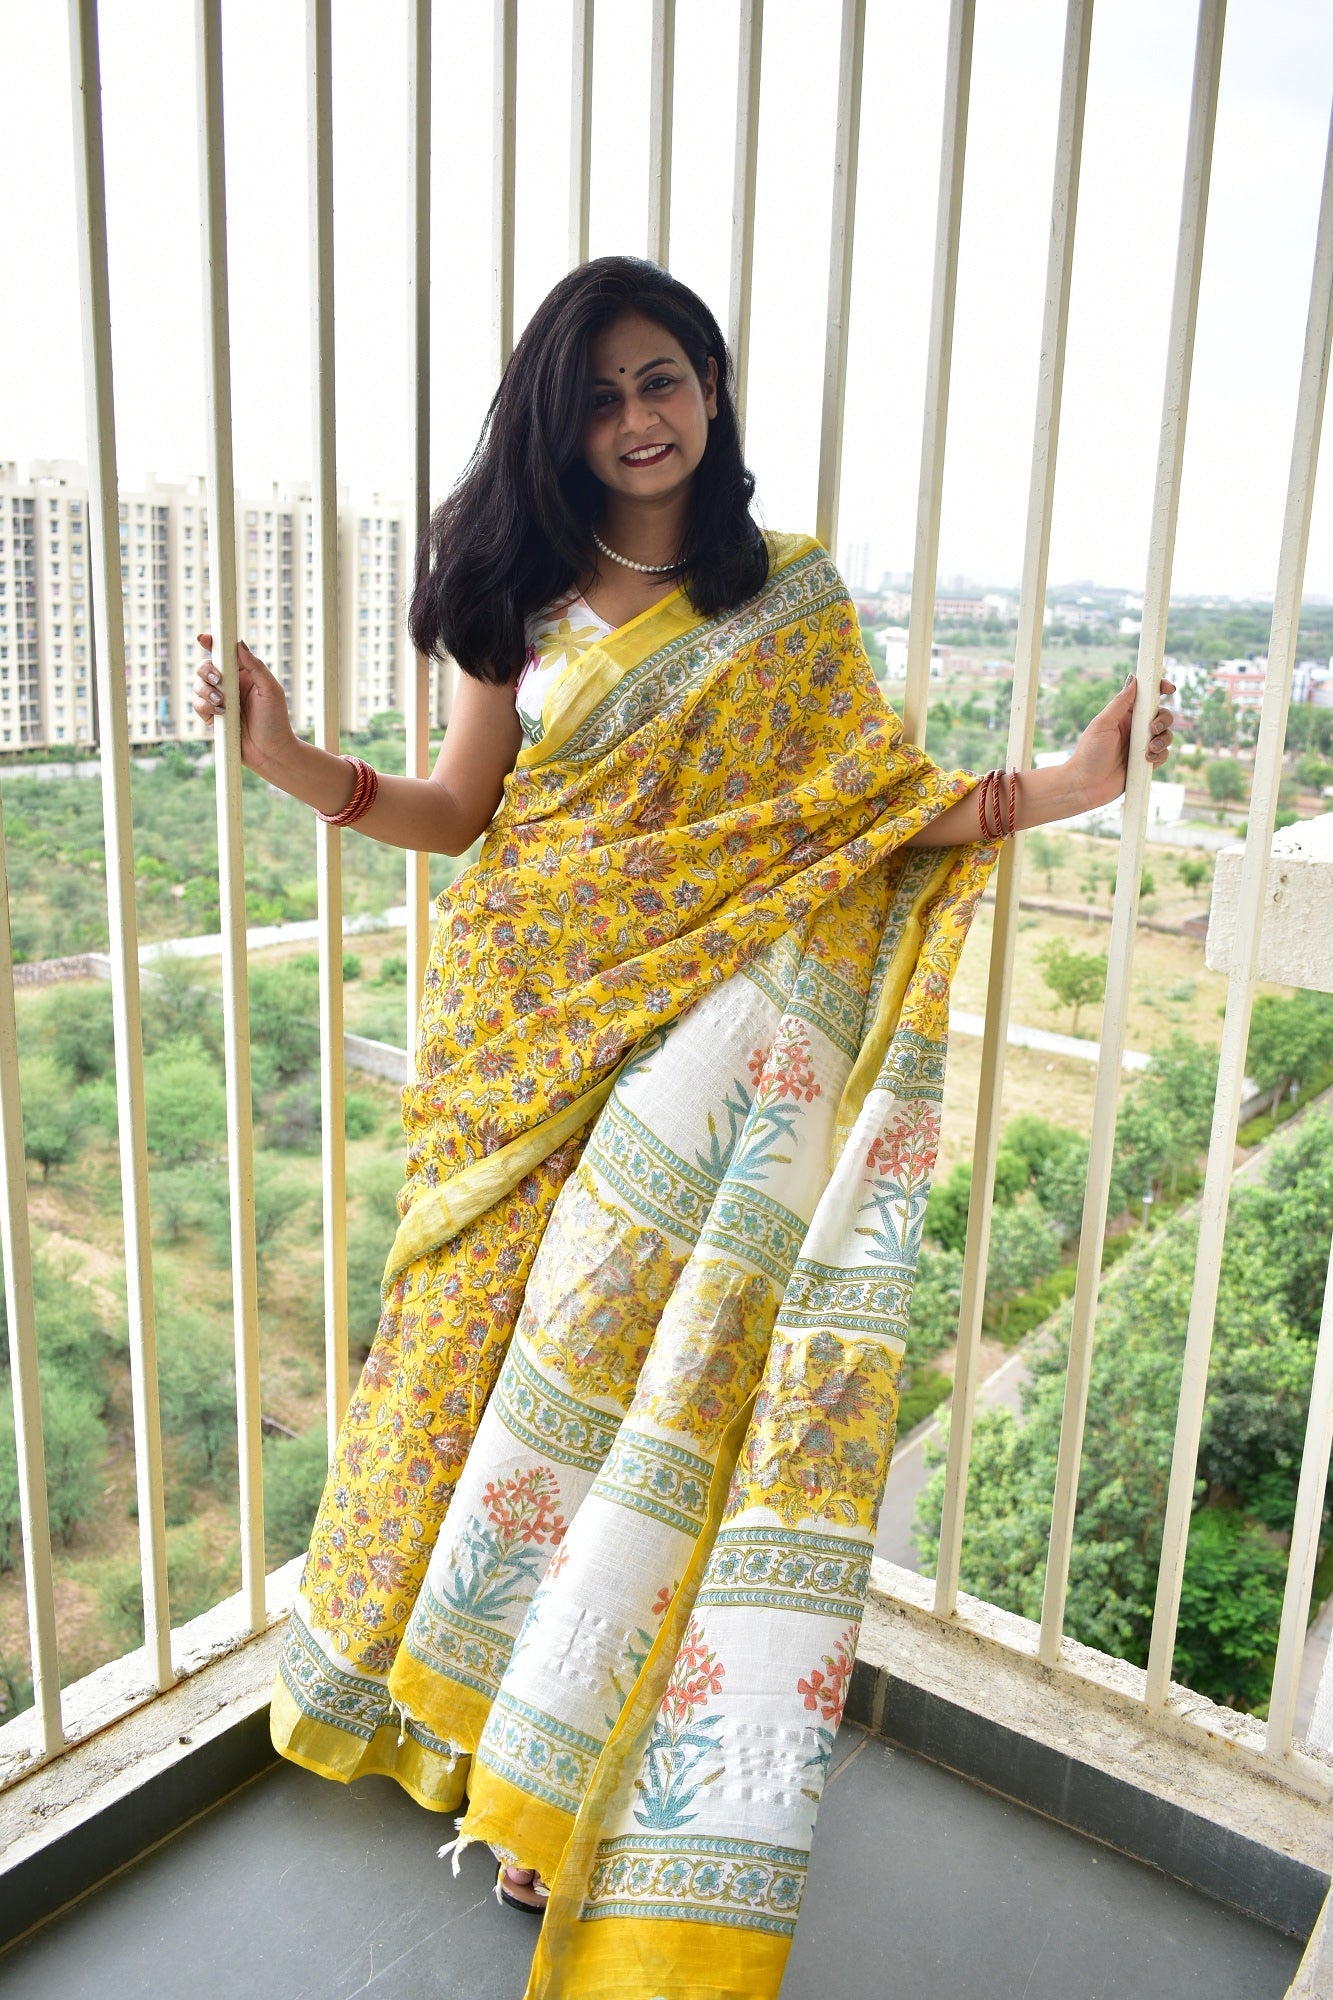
{"x": 648, "y": 421}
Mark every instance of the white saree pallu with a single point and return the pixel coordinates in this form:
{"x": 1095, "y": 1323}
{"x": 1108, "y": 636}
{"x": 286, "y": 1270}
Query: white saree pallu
{"x": 682, "y": 1463}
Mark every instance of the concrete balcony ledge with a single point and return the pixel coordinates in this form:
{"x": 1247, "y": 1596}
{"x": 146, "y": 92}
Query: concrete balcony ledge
{"x": 1188, "y": 1791}
{"x": 1296, "y": 941}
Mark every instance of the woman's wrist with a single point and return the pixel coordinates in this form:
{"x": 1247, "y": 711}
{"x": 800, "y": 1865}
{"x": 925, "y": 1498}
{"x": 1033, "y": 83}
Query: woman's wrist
{"x": 319, "y": 778}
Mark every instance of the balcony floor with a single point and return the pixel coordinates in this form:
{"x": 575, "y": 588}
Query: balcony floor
{"x": 924, "y": 1887}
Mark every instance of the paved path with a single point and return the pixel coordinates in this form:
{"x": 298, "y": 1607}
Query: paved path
{"x": 1046, "y": 1043}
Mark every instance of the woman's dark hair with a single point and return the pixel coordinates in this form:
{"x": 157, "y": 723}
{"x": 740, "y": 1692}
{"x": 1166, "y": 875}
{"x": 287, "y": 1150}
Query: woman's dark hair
{"x": 516, "y": 531}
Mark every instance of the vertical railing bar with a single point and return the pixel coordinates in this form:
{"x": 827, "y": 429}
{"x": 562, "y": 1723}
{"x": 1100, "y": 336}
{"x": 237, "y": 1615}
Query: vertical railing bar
{"x": 114, "y": 739}
{"x": 749, "y": 64}
{"x": 580, "y": 132}
{"x": 417, "y": 673}
{"x": 231, "y": 850}
{"x": 939, "y": 357}
{"x": 1022, "y": 729}
{"x": 661, "y": 92}
{"x": 504, "y": 136}
{"x": 328, "y": 687}
{"x": 1283, "y": 638}
{"x": 29, "y": 1452}
{"x": 1134, "y": 812}
{"x": 851, "y": 53}
{"x": 1305, "y": 1533}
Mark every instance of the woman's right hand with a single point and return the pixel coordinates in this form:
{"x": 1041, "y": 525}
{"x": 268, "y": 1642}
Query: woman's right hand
{"x": 266, "y": 728}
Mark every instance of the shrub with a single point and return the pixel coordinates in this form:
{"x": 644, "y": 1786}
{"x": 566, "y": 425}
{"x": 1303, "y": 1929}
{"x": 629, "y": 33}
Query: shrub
{"x": 360, "y": 1117}
{"x": 197, "y": 1387}
{"x": 74, "y": 1442}
{"x": 186, "y": 1102}
{"x": 935, "y": 1297}
{"x": 294, "y": 1120}
{"x": 294, "y": 1473}
{"x": 196, "y": 1579}
{"x": 78, "y": 1030}
{"x": 51, "y": 1128}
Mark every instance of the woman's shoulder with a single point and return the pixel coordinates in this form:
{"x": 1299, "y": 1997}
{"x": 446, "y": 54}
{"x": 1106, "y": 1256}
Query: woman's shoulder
{"x": 785, "y": 549}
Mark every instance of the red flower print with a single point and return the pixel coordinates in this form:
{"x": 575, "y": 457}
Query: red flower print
{"x": 825, "y": 1687}
{"x": 523, "y": 1508}
{"x": 697, "y": 1674}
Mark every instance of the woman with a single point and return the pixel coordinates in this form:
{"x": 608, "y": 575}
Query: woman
{"x": 596, "y": 1535}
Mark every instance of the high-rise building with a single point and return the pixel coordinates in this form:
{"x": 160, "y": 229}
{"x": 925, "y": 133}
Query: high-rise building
{"x": 46, "y": 682}
{"x": 45, "y": 655}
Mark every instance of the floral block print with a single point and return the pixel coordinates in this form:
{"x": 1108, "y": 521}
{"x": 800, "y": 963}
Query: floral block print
{"x": 584, "y": 1642}
{"x": 613, "y": 1465}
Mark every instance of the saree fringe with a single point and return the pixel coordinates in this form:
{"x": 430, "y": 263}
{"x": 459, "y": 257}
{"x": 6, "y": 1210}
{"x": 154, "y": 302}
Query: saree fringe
{"x": 595, "y": 1543}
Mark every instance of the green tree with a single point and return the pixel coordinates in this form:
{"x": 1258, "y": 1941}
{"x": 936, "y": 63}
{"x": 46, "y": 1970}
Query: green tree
{"x": 1166, "y": 1119}
{"x": 284, "y": 1022}
{"x": 1230, "y": 1606}
{"x": 1216, "y": 728}
{"x": 1291, "y": 1041}
{"x": 52, "y": 1134}
{"x": 78, "y": 1030}
{"x": 186, "y": 1103}
{"x": 1023, "y": 1249}
{"x": 196, "y": 1580}
{"x": 197, "y": 1386}
{"x": 295, "y": 1470}
{"x": 1076, "y": 978}
{"x": 1057, "y": 1164}
{"x": 1076, "y": 701}
{"x": 935, "y": 1301}
{"x": 176, "y": 1009}
{"x": 280, "y": 1202}
{"x": 1193, "y": 871}
{"x": 184, "y": 1198}
{"x": 1253, "y": 1423}
{"x": 1048, "y": 853}
{"x": 1314, "y": 771}
{"x": 74, "y": 1444}
{"x": 1226, "y": 782}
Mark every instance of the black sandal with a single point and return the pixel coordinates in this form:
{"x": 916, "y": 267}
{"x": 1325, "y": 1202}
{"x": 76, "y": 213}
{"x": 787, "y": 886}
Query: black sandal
{"x": 535, "y": 1887}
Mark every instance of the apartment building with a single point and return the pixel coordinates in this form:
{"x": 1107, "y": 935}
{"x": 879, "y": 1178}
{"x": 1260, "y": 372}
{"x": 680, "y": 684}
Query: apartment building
{"x": 46, "y": 683}
{"x": 45, "y": 654}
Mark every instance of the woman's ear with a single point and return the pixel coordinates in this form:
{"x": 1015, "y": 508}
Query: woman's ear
{"x": 710, "y": 387}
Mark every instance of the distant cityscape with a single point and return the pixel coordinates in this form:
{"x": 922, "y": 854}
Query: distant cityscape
{"x": 47, "y": 698}
{"x": 1095, "y": 614}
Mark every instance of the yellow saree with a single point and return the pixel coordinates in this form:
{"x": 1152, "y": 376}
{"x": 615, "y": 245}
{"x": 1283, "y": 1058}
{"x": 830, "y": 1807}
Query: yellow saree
{"x": 596, "y": 1536}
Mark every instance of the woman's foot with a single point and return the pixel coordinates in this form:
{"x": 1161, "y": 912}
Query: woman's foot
{"x": 522, "y": 1889}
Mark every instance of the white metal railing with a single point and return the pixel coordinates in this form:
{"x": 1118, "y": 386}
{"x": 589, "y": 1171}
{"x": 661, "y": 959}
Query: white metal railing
{"x": 1152, "y": 649}
{"x": 50, "y": 1729}
{"x": 328, "y": 839}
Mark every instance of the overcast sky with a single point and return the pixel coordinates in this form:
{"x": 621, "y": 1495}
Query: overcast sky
{"x": 1276, "y": 88}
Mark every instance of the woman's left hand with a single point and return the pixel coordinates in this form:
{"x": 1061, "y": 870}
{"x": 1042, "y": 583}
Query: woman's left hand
{"x": 1101, "y": 755}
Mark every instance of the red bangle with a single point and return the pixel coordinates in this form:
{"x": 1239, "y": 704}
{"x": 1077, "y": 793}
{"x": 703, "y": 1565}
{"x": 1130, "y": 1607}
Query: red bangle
{"x": 991, "y": 805}
{"x": 363, "y": 795}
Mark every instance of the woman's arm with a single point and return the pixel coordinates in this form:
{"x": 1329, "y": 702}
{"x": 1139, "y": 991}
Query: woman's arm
{"x": 442, "y": 814}
{"x": 1093, "y": 776}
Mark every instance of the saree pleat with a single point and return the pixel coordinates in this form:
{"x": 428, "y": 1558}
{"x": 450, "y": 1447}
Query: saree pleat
{"x": 597, "y": 1534}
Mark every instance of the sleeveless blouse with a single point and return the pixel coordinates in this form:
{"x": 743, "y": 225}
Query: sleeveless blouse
{"x": 556, "y": 638}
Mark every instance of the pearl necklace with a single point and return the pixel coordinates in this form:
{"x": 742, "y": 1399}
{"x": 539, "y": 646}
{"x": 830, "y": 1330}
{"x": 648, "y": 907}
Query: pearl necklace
{"x": 644, "y": 569}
